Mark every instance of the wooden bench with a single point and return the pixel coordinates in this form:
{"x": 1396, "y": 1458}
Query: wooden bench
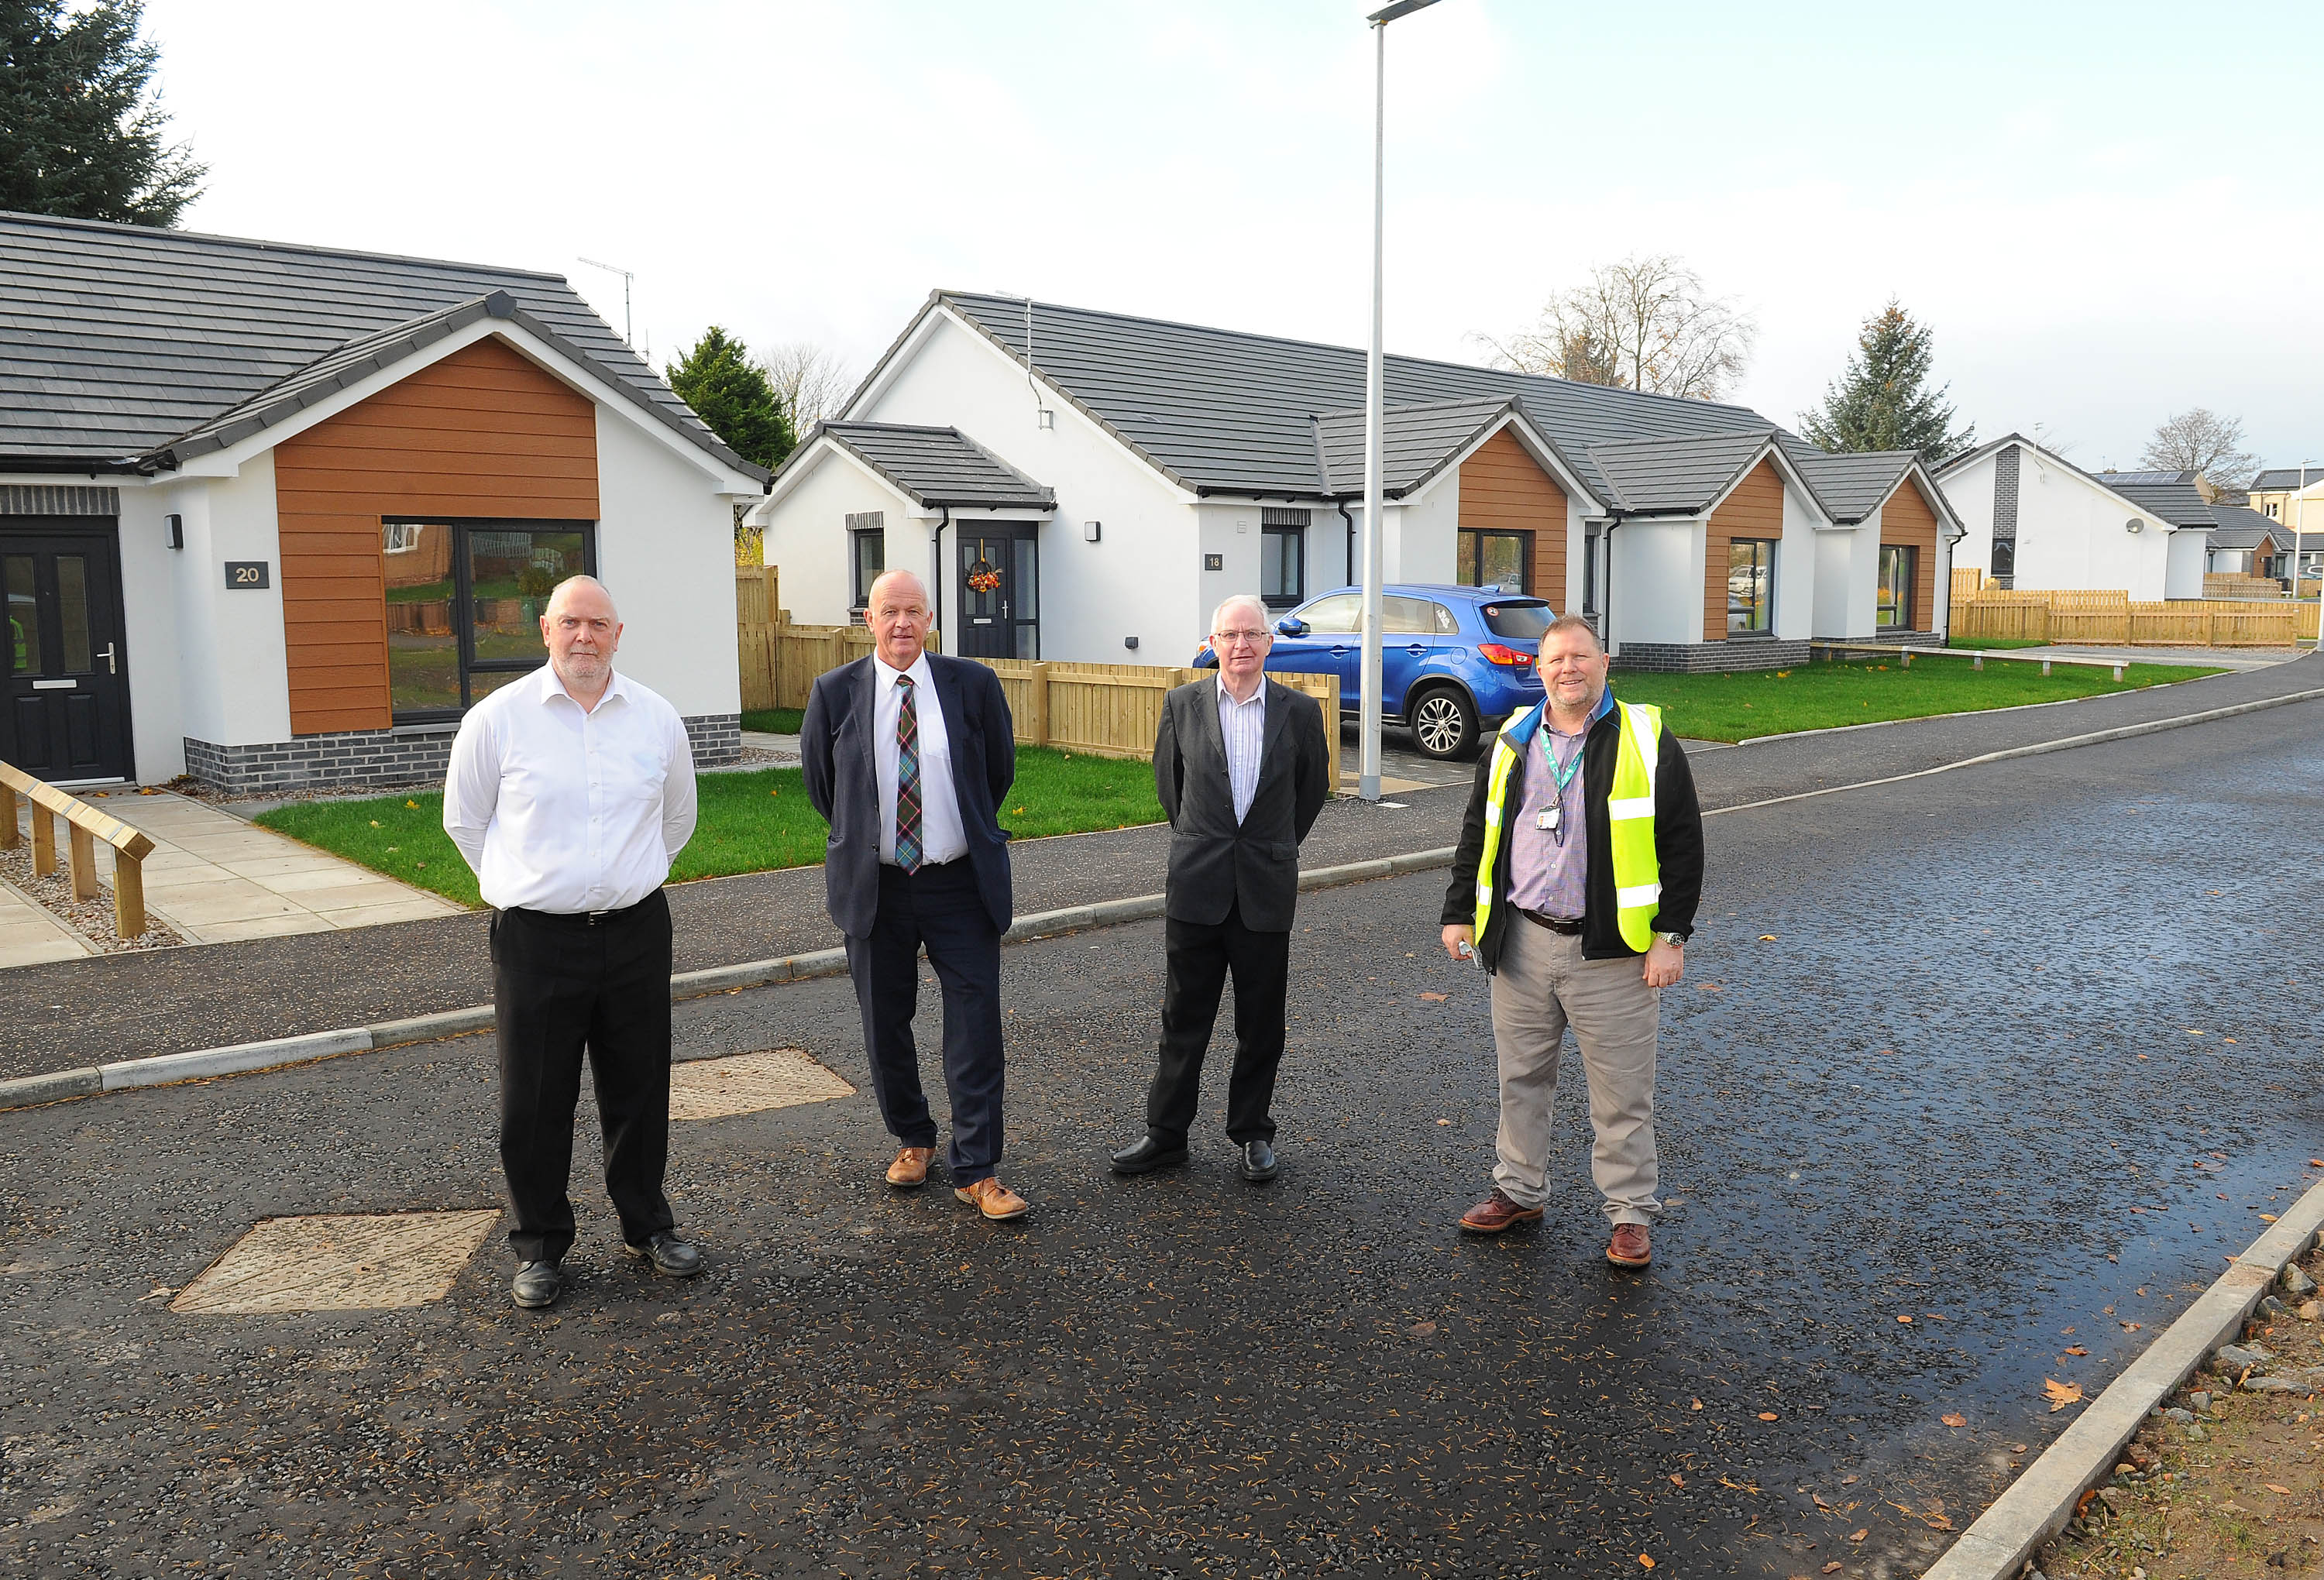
{"x": 84, "y": 825}
{"x": 1832, "y": 651}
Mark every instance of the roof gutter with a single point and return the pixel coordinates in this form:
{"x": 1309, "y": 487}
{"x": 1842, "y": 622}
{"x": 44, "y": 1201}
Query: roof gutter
{"x": 87, "y": 465}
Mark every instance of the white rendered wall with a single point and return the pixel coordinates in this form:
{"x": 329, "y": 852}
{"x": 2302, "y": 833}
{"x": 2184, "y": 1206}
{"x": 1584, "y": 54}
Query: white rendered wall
{"x": 1656, "y": 563}
{"x": 665, "y": 552}
{"x": 1969, "y": 492}
{"x": 1795, "y": 569}
{"x": 2071, "y": 535}
{"x": 1425, "y": 533}
{"x": 233, "y": 664}
{"x": 1835, "y": 558}
{"x": 2183, "y": 569}
{"x": 1142, "y": 578}
{"x": 806, "y": 538}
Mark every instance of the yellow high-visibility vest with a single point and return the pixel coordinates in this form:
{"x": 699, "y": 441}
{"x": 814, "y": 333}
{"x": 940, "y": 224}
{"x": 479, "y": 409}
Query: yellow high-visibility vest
{"x": 1629, "y": 817}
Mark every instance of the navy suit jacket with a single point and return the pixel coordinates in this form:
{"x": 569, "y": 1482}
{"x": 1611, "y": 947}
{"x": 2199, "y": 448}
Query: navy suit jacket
{"x": 842, "y": 781}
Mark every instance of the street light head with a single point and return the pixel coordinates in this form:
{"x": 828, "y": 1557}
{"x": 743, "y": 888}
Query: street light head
{"x": 1388, "y": 14}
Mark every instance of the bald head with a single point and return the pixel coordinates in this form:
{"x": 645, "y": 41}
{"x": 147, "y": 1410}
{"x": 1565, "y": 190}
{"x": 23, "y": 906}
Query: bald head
{"x": 573, "y": 587}
{"x": 897, "y": 610}
{"x": 582, "y": 632}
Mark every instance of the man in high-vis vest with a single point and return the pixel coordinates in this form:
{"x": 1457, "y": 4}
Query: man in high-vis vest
{"x": 1579, "y": 869}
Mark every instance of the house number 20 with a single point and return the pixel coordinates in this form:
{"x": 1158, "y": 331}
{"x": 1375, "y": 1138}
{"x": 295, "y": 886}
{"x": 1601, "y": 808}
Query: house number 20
{"x": 246, "y": 576}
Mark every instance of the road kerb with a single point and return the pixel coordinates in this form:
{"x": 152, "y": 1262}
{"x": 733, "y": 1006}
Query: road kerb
{"x": 244, "y": 1058}
{"x": 2039, "y": 1502}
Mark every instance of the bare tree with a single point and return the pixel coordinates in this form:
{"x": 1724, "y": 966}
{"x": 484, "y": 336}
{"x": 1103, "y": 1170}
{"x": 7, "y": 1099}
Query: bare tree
{"x": 810, "y": 382}
{"x": 1642, "y": 323}
{"x": 2200, "y": 440}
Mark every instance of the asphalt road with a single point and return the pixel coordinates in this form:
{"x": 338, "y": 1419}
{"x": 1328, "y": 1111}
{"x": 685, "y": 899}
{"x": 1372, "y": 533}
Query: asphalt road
{"x": 78, "y": 1013}
{"x": 2030, "y": 1048}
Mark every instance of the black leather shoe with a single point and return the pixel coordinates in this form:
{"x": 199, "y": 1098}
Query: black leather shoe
{"x": 538, "y": 1284}
{"x": 1147, "y": 1156}
{"x": 669, "y": 1254}
{"x": 1258, "y": 1165}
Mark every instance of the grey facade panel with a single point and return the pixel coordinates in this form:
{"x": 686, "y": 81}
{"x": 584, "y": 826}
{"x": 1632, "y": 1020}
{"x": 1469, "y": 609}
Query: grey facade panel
{"x": 18, "y": 499}
{"x": 2006, "y": 469}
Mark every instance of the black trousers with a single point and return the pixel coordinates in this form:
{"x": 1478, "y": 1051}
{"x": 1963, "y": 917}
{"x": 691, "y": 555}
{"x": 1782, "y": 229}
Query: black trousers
{"x": 1200, "y": 957}
{"x": 938, "y": 906}
{"x": 560, "y": 985}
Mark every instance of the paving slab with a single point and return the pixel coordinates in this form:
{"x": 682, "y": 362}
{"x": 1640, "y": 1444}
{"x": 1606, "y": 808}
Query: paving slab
{"x": 30, "y": 936}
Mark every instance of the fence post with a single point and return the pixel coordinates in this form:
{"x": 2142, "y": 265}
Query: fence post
{"x": 44, "y": 840}
{"x": 1037, "y": 702}
{"x": 83, "y": 862}
{"x": 9, "y": 838}
{"x": 128, "y": 895}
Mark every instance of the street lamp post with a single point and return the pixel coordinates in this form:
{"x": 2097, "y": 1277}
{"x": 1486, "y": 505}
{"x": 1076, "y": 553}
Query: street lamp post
{"x": 1368, "y": 781}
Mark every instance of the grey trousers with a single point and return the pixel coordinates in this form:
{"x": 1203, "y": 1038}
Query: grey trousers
{"x": 1541, "y": 986}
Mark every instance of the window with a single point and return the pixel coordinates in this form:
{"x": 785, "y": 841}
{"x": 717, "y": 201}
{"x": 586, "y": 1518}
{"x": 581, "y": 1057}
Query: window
{"x": 1412, "y": 617}
{"x": 1519, "y": 622}
{"x": 463, "y": 605}
{"x": 2005, "y": 557}
{"x": 2273, "y": 507}
{"x": 1282, "y": 557}
{"x": 1494, "y": 559}
{"x": 868, "y": 553}
{"x": 1750, "y": 586}
{"x": 1896, "y": 598}
{"x": 1335, "y": 616}
{"x": 1590, "y": 573}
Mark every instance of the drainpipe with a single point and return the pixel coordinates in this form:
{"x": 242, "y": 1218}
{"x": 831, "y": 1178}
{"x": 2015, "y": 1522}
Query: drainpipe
{"x": 936, "y": 589}
{"x": 1347, "y": 542}
{"x": 1606, "y": 619}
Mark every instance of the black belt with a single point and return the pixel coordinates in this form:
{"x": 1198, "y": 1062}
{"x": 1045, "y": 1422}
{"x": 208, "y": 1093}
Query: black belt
{"x": 1570, "y": 929}
{"x": 587, "y": 918}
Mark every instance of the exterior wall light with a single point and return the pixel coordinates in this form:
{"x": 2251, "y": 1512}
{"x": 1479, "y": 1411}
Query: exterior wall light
{"x": 1090, "y": 530}
{"x": 2134, "y": 526}
{"x": 173, "y": 531}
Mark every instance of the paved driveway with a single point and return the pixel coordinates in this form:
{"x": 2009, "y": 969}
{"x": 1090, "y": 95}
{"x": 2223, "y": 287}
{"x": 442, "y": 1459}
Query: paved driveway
{"x": 1981, "y": 1075}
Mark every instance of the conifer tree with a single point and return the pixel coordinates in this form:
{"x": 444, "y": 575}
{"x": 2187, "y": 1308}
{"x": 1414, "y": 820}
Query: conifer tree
{"x": 1882, "y": 402}
{"x": 733, "y": 395}
{"x": 79, "y": 135}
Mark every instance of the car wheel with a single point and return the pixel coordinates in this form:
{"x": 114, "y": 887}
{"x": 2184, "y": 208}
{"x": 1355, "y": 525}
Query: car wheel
{"x": 1444, "y": 724}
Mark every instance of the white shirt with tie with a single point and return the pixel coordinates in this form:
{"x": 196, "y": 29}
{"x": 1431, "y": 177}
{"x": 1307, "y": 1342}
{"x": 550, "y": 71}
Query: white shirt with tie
{"x": 562, "y": 811}
{"x": 942, "y": 837}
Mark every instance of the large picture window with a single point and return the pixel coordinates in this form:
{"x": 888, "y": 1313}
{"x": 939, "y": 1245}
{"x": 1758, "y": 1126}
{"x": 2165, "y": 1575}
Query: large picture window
{"x": 1494, "y": 559}
{"x": 463, "y": 605}
{"x": 1750, "y": 586}
{"x": 1895, "y": 586}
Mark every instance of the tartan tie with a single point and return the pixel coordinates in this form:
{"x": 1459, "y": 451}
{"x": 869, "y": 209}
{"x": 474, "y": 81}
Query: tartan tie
{"x": 907, "y": 778}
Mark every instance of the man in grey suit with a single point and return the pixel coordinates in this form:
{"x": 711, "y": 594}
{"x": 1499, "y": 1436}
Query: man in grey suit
{"x": 1242, "y": 767}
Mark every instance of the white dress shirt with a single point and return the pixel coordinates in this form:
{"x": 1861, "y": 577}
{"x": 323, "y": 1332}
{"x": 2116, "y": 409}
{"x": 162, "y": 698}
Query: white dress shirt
{"x": 1243, "y": 727}
{"x": 942, "y": 838}
{"x": 558, "y": 809}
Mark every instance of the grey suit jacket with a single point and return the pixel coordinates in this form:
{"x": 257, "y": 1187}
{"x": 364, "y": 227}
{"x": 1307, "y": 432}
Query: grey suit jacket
{"x": 1216, "y": 863}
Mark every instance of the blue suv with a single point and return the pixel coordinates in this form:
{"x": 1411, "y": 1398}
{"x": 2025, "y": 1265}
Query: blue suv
{"x": 1454, "y": 661}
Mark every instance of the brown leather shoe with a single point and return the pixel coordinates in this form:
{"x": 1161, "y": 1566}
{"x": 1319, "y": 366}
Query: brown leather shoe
{"x": 1497, "y": 1212}
{"x": 910, "y": 1167}
{"x": 1629, "y": 1248}
{"x": 993, "y": 1200}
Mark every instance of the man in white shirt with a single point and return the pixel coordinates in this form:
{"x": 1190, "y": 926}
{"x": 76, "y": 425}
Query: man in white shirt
{"x": 570, "y": 792}
{"x": 908, "y": 756}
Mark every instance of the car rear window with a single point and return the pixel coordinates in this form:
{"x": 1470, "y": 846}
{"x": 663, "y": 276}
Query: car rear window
{"x": 1518, "y": 621}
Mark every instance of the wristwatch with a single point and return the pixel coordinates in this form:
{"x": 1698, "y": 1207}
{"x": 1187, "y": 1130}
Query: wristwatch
{"x": 1675, "y": 939}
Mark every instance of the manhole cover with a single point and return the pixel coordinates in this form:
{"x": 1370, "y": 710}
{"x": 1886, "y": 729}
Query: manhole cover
{"x": 372, "y": 1262}
{"x": 745, "y": 1083}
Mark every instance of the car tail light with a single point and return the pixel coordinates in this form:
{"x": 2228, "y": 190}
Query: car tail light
{"x": 1495, "y": 653}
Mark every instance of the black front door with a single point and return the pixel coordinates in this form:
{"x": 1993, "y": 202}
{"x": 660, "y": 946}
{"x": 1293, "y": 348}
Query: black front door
{"x": 1000, "y": 593}
{"x": 67, "y": 710}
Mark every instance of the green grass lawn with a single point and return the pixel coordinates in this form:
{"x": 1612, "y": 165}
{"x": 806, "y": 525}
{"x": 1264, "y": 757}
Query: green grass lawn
{"x": 1819, "y": 695}
{"x": 774, "y": 720}
{"x": 1997, "y": 644}
{"x": 747, "y": 822}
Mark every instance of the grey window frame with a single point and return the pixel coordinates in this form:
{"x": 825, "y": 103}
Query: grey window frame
{"x": 463, "y": 624}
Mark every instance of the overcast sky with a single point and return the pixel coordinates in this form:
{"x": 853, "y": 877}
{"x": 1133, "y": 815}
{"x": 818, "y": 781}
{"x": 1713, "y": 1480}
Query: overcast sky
{"x": 2105, "y": 212}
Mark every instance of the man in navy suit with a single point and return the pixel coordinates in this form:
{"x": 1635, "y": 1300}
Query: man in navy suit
{"x": 908, "y": 755}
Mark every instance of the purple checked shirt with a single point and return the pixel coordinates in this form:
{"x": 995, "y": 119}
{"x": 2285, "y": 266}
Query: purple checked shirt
{"x": 1545, "y": 876}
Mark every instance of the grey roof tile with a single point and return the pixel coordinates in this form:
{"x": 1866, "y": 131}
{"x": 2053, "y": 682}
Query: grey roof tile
{"x": 2277, "y": 478}
{"x": 1852, "y": 485}
{"x": 1222, "y": 411}
{"x": 1416, "y": 442}
{"x": 936, "y": 465}
{"x": 2240, "y": 527}
{"x": 1677, "y": 476}
{"x": 2171, "y": 497}
{"x": 116, "y": 340}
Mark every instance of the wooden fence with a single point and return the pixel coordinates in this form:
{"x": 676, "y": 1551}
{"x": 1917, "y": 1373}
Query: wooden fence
{"x": 1112, "y": 709}
{"x": 2111, "y": 618}
{"x": 1967, "y": 581}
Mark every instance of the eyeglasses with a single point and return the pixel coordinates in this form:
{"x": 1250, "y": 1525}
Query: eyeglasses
{"x": 1228, "y": 638}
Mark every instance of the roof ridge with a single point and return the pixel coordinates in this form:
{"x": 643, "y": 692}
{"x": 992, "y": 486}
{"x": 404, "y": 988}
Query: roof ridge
{"x": 1352, "y": 350}
{"x": 11, "y": 216}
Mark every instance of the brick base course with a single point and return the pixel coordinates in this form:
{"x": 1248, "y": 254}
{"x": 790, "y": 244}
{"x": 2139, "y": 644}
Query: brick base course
{"x": 408, "y": 754}
{"x": 1711, "y": 657}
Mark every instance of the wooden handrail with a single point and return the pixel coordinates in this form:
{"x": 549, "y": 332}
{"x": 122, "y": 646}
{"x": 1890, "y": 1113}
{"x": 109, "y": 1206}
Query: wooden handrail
{"x": 85, "y": 825}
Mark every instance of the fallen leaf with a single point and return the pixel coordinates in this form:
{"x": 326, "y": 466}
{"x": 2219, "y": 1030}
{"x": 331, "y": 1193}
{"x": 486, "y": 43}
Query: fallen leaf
{"x": 1859, "y": 1535}
{"x": 1677, "y": 1480}
{"x": 2017, "y": 1448}
{"x": 1444, "y": 1122}
{"x": 1907, "y": 1321}
{"x": 2279, "y": 1490}
{"x": 1435, "y": 998}
{"x": 2316, "y": 1162}
{"x": 1695, "y": 1403}
{"x": 1421, "y": 1329}
{"x": 1847, "y": 1481}
{"x": 1766, "y": 938}
{"x": 2131, "y": 1327}
{"x": 2267, "y": 1218}
{"x": 1938, "y": 1522}
{"x": 1833, "y": 1568}
{"x": 1766, "y": 1415}
{"x": 1709, "y": 987}
{"x": 2075, "y": 1349}
{"x": 2061, "y": 1394}
{"x": 1648, "y": 1562}
{"x": 1819, "y": 1501}
{"x": 1955, "y": 1419}
{"x": 2067, "y": 1331}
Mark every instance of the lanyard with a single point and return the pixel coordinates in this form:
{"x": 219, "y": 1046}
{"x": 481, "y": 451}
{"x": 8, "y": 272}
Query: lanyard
{"x": 1563, "y": 772}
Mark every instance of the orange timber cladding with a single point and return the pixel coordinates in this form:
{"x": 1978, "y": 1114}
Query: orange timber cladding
{"x": 483, "y": 433}
{"x": 1906, "y": 522}
{"x": 1753, "y": 510}
{"x": 1504, "y": 490}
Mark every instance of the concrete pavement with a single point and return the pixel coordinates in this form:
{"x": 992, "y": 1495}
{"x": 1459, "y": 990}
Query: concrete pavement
{"x": 2003, "y": 1067}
